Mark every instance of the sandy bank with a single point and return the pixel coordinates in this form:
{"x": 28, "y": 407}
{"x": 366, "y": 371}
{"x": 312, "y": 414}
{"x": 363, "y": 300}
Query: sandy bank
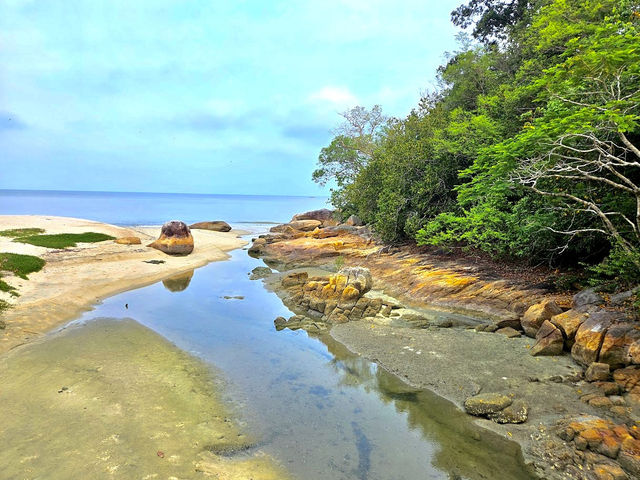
{"x": 76, "y": 278}
{"x": 113, "y": 399}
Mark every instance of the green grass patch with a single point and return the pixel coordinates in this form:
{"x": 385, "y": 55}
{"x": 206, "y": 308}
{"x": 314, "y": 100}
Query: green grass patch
{"x": 20, "y": 265}
{"x": 3, "y": 306}
{"x": 20, "y": 232}
{"x": 5, "y": 287}
{"x": 63, "y": 240}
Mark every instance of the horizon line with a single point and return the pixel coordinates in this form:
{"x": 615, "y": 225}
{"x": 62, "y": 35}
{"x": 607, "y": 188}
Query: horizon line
{"x": 160, "y": 193}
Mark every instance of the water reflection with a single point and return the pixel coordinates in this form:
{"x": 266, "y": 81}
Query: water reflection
{"x": 179, "y": 282}
{"x": 465, "y": 451}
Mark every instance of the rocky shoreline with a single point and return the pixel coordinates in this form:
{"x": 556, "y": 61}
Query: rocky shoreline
{"x": 558, "y": 375}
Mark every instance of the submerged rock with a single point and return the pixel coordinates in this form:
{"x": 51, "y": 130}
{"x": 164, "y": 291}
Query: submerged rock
{"x": 215, "y": 225}
{"x": 260, "y": 272}
{"x": 175, "y": 239}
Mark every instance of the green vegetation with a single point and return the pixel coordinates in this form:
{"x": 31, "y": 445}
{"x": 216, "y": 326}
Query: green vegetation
{"x": 64, "y": 240}
{"x": 20, "y": 232}
{"x": 20, "y": 265}
{"x": 5, "y": 287}
{"x": 529, "y": 149}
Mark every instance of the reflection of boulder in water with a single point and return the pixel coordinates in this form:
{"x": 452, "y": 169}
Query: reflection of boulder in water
{"x": 178, "y": 283}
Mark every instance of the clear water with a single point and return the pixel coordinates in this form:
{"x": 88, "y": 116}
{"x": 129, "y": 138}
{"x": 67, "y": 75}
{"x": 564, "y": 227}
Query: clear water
{"x": 156, "y": 208}
{"x": 321, "y": 411}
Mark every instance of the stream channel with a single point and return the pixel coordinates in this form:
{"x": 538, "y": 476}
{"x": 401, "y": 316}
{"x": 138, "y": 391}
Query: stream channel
{"x": 321, "y": 411}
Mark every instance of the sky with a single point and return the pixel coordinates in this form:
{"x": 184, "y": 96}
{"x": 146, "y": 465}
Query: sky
{"x": 201, "y": 96}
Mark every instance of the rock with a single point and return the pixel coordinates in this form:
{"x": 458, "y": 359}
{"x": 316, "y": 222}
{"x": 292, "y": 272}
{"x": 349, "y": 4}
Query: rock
{"x": 257, "y": 246}
{"x": 486, "y": 404}
{"x": 609, "y": 472}
{"x": 305, "y": 225}
{"x": 3, "y": 324}
{"x": 616, "y": 345}
{"x": 508, "y": 332}
{"x": 628, "y": 378}
{"x": 321, "y": 215}
{"x": 293, "y": 279}
{"x": 568, "y": 322}
{"x": 128, "y": 241}
{"x": 354, "y": 221}
{"x": 512, "y": 321}
{"x": 280, "y": 323}
{"x": 359, "y": 277}
{"x": 597, "y": 372}
{"x": 215, "y": 225}
{"x": 260, "y": 272}
{"x": 175, "y": 239}
{"x": 629, "y": 457}
{"x": 589, "y": 338}
{"x": 517, "y": 412}
{"x": 536, "y": 314}
{"x": 549, "y": 340}
{"x": 620, "y": 298}
{"x": 587, "y": 297}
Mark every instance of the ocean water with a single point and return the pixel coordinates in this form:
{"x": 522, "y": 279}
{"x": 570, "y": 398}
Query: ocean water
{"x": 124, "y": 208}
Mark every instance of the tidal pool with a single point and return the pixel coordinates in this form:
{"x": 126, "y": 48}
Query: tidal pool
{"x": 316, "y": 408}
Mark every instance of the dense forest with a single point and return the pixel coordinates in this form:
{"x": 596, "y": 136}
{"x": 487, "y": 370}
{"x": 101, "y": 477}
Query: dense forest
{"x": 528, "y": 150}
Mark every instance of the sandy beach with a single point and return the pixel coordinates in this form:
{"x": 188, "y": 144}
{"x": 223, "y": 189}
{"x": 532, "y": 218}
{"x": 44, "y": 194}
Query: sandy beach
{"x": 76, "y": 278}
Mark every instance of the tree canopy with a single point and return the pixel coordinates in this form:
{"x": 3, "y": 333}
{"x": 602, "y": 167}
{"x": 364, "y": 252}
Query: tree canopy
{"x": 529, "y": 148}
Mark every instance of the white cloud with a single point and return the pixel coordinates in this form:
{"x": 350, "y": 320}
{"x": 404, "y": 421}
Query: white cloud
{"x": 334, "y": 96}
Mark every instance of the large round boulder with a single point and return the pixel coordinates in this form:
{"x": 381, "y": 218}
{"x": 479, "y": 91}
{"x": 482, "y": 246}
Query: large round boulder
{"x": 215, "y": 226}
{"x": 175, "y": 239}
{"x": 321, "y": 215}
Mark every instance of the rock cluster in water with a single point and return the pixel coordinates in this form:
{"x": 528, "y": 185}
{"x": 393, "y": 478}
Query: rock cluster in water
{"x": 331, "y": 299}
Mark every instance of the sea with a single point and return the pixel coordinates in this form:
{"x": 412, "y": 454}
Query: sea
{"x": 129, "y": 208}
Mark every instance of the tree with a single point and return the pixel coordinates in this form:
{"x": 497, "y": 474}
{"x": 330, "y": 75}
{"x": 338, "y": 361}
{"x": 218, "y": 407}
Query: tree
{"x": 352, "y": 147}
{"x": 490, "y": 18}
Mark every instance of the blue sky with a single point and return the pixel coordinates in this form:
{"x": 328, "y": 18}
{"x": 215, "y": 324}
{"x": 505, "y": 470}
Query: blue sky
{"x": 202, "y": 96}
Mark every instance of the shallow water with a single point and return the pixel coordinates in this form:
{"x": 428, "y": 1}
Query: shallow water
{"x": 320, "y": 410}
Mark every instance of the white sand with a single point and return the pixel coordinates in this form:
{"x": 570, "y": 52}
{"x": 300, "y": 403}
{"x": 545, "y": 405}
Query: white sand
{"x": 76, "y": 278}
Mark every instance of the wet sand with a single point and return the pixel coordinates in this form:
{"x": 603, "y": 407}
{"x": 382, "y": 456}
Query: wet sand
{"x": 113, "y": 399}
{"x": 76, "y": 278}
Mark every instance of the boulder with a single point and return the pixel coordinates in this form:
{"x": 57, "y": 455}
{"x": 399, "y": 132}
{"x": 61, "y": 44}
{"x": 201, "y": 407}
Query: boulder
{"x": 517, "y": 412}
{"x": 175, "y": 239}
{"x": 128, "y": 240}
{"x": 568, "y": 323}
{"x": 321, "y": 215}
{"x": 359, "y": 277}
{"x": 305, "y": 225}
{"x": 486, "y": 404}
{"x": 258, "y": 246}
{"x": 549, "y": 340}
{"x": 589, "y": 338}
{"x": 628, "y": 378}
{"x": 586, "y": 298}
{"x": 597, "y": 372}
{"x": 616, "y": 345}
{"x": 215, "y": 225}
{"x": 536, "y": 314}
{"x": 354, "y": 221}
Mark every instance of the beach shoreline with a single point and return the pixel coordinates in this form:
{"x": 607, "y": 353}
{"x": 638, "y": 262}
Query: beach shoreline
{"x": 73, "y": 280}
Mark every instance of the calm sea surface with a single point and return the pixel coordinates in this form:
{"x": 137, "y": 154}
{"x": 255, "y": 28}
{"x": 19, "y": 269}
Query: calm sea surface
{"x": 156, "y": 208}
